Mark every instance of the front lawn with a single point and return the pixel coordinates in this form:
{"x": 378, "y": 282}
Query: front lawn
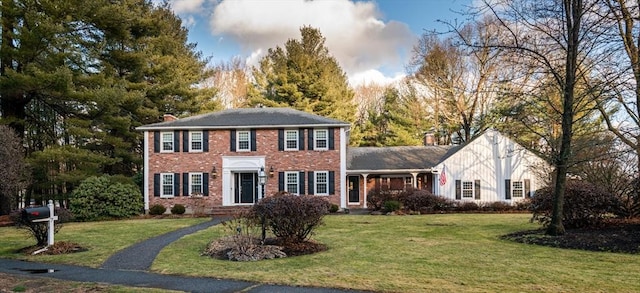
{"x": 448, "y": 253}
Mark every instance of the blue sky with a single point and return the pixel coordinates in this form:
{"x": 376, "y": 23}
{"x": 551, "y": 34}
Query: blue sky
{"x": 372, "y": 40}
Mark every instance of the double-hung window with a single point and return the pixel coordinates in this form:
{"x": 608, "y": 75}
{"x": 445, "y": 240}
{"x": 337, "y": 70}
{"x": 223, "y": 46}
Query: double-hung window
{"x": 292, "y": 182}
{"x": 467, "y": 189}
{"x": 321, "y": 182}
{"x": 244, "y": 141}
{"x": 291, "y": 140}
{"x": 195, "y": 183}
{"x": 517, "y": 189}
{"x": 167, "y": 141}
{"x": 321, "y": 139}
{"x": 195, "y": 139}
{"x": 167, "y": 184}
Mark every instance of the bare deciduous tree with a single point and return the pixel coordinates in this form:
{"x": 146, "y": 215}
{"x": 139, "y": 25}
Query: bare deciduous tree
{"x": 13, "y": 174}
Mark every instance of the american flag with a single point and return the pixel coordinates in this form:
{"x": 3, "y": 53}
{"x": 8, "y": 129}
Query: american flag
{"x": 443, "y": 176}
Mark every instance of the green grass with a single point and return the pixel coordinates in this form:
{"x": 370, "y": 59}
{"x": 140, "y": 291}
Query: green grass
{"x": 101, "y": 238}
{"x": 441, "y": 253}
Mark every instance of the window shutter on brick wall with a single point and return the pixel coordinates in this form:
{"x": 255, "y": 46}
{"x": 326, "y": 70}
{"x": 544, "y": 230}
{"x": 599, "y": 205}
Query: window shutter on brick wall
{"x": 185, "y": 141}
{"x": 310, "y": 138}
{"x": 156, "y": 141}
{"x": 281, "y": 181}
{"x": 507, "y": 189}
{"x": 301, "y": 183}
{"x": 254, "y": 147}
{"x": 232, "y": 140}
{"x": 458, "y": 189}
{"x": 477, "y": 188}
{"x": 185, "y": 184}
{"x": 176, "y": 141}
{"x": 205, "y": 140}
{"x": 176, "y": 184}
{"x": 301, "y": 139}
{"x": 527, "y": 188}
{"x": 205, "y": 184}
{"x": 311, "y": 188}
{"x": 281, "y": 139}
{"x": 331, "y": 139}
{"x": 332, "y": 182}
{"x": 156, "y": 184}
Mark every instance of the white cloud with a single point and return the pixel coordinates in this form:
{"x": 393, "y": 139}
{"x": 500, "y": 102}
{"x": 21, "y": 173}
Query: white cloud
{"x": 186, "y": 6}
{"x": 373, "y": 76}
{"x": 355, "y": 34}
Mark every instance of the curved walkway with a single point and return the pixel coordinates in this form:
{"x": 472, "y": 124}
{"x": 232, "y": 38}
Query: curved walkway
{"x": 129, "y": 266}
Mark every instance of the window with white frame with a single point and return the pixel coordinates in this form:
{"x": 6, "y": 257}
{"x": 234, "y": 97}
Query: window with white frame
{"x": 321, "y": 139}
{"x": 291, "y": 182}
{"x": 195, "y": 183}
{"x": 196, "y": 141}
{"x": 291, "y": 140}
{"x": 166, "y": 181}
{"x": 517, "y": 189}
{"x": 244, "y": 140}
{"x": 167, "y": 141}
{"x": 321, "y": 182}
{"x": 467, "y": 189}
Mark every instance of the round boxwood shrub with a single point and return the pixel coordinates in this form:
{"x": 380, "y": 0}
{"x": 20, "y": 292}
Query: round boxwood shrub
{"x": 157, "y": 209}
{"x": 100, "y": 197}
{"x": 334, "y": 208}
{"x": 178, "y": 209}
{"x": 391, "y": 206}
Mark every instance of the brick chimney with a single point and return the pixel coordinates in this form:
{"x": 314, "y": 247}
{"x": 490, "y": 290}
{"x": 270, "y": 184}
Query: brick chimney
{"x": 429, "y": 139}
{"x": 169, "y": 117}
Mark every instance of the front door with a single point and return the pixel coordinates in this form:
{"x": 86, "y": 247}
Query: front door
{"x": 246, "y": 187}
{"x": 354, "y": 189}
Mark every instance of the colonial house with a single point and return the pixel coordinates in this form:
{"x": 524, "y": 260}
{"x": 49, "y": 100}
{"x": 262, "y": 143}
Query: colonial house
{"x": 235, "y": 157}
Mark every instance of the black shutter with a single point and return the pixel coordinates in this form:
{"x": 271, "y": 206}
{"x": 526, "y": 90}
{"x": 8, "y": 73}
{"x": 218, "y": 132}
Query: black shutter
{"x": 281, "y": 181}
{"x": 332, "y": 182}
{"x": 205, "y": 184}
{"x": 176, "y": 184}
{"x": 507, "y": 189}
{"x": 156, "y": 184}
{"x": 232, "y": 140}
{"x": 311, "y": 189}
{"x": 477, "y": 188}
{"x": 301, "y": 183}
{"x": 185, "y": 184}
{"x": 281, "y": 139}
{"x": 310, "y": 135}
{"x": 527, "y": 188}
{"x": 458, "y": 189}
{"x": 205, "y": 141}
{"x": 331, "y": 139}
{"x": 156, "y": 141}
{"x": 176, "y": 141}
{"x": 253, "y": 140}
{"x": 301, "y": 139}
{"x": 185, "y": 141}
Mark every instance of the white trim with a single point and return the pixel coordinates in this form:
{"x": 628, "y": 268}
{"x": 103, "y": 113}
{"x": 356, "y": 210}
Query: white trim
{"x": 342, "y": 176}
{"x": 232, "y": 164}
{"x": 191, "y": 182}
{"x": 286, "y": 181}
{"x": 326, "y": 183}
{"x": 145, "y": 170}
{"x": 173, "y": 140}
{"x": 238, "y": 149}
{"x": 315, "y": 139}
{"x": 261, "y": 126}
{"x": 296, "y": 139}
{"x": 191, "y": 132}
{"x": 173, "y": 189}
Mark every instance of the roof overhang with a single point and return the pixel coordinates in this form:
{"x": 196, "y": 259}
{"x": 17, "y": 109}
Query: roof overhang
{"x": 391, "y": 171}
{"x": 151, "y": 128}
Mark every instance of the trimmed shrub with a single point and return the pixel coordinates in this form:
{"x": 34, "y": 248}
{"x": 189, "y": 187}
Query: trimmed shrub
{"x": 99, "y": 198}
{"x": 585, "y": 205}
{"x": 498, "y": 206}
{"x": 467, "y": 206}
{"x": 39, "y": 230}
{"x": 157, "y": 209}
{"x": 391, "y": 206}
{"x": 334, "y": 208}
{"x": 291, "y": 218}
{"x": 377, "y": 197}
{"x": 424, "y": 201}
{"x": 178, "y": 209}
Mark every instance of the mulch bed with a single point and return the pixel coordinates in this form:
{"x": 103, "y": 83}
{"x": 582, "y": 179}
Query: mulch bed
{"x": 620, "y": 236}
{"x": 60, "y": 247}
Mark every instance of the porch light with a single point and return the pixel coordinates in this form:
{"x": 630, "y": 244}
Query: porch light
{"x": 271, "y": 171}
{"x": 262, "y": 178}
{"x": 214, "y": 173}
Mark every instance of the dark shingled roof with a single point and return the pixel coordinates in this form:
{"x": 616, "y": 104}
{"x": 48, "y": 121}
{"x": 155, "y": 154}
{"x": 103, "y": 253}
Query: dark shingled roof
{"x": 249, "y": 118}
{"x": 395, "y": 158}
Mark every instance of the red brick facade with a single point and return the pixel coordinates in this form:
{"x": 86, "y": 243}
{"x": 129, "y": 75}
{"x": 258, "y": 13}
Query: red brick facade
{"x": 219, "y": 147}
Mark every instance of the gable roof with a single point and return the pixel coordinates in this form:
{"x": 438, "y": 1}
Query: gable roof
{"x": 402, "y": 158}
{"x": 248, "y": 118}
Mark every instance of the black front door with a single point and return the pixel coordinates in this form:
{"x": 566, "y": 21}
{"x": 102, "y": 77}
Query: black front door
{"x": 245, "y": 187}
{"x": 354, "y": 189}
